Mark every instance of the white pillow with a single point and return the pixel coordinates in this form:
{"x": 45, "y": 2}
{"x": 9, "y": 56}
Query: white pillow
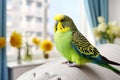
{"x": 55, "y": 70}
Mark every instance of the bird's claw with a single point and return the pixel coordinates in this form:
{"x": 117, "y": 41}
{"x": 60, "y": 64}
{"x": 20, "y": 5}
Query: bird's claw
{"x": 70, "y": 64}
{"x": 64, "y": 62}
{"x": 73, "y": 65}
{"x": 67, "y": 62}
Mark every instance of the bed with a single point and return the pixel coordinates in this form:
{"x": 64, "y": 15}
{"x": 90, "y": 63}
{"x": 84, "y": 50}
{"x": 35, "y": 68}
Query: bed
{"x": 55, "y": 70}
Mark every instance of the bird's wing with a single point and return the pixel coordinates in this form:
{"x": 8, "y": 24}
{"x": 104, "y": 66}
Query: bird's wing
{"x": 83, "y": 47}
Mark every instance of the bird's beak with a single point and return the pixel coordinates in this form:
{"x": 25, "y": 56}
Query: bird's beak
{"x": 56, "y": 22}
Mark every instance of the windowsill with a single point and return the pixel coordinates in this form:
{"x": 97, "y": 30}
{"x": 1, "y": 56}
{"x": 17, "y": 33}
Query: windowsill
{"x": 14, "y": 64}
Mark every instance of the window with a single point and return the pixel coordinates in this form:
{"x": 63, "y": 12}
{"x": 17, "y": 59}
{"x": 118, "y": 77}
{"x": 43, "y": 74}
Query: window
{"x": 28, "y": 18}
{"x": 38, "y": 4}
{"x": 76, "y": 12}
{"x": 39, "y": 19}
{"x": 29, "y": 2}
{"x": 24, "y": 24}
{"x": 85, "y": 27}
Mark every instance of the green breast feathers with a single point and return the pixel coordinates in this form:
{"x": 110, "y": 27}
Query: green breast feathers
{"x": 63, "y": 45}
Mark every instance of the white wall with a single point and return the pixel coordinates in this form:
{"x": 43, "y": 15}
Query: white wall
{"x": 114, "y": 14}
{"x": 114, "y": 10}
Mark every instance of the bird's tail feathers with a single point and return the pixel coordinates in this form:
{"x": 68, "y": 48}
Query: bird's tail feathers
{"x": 109, "y": 61}
{"x": 111, "y": 68}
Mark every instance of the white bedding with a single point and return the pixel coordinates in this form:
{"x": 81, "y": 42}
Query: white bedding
{"x": 55, "y": 70}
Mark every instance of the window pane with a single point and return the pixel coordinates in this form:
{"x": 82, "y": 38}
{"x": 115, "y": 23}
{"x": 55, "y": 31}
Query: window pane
{"x": 29, "y": 2}
{"x": 39, "y": 4}
{"x": 28, "y": 18}
{"x": 38, "y": 19}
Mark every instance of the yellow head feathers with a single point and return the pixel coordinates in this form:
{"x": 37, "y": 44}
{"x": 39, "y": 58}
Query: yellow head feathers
{"x": 59, "y": 25}
{"x": 63, "y": 23}
{"x": 59, "y": 17}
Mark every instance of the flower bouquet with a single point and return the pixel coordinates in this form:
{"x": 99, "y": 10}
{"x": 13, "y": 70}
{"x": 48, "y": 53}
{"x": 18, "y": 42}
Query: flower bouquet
{"x": 105, "y": 31}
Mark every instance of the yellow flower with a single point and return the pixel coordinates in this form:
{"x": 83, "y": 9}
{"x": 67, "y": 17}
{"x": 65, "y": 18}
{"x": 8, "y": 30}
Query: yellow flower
{"x": 16, "y": 39}
{"x": 2, "y": 42}
{"x": 36, "y": 41}
{"x": 46, "y": 45}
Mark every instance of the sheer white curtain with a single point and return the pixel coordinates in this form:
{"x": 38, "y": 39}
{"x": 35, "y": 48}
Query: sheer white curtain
{"x": 84, "y": 24}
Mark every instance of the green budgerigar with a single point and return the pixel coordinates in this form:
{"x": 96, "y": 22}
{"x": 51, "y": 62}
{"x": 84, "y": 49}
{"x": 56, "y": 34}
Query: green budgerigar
{"x": 75, "y": 47}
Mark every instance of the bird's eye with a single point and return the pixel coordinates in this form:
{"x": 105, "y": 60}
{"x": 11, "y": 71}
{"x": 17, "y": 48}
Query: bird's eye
{"x": 62, "y": 20}
{"x": 63, "y": 26}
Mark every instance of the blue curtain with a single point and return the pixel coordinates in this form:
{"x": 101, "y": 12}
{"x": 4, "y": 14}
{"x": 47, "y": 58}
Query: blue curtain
{"x": 95, "y": 8}
{"x": 3, "y": 61}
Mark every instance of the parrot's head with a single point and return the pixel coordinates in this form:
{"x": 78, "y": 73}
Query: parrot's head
{"x": 63, "y": 23}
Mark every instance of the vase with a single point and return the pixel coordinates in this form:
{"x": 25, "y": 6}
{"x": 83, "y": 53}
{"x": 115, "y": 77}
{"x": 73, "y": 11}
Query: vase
{"x": 28, "y": 55}
{"x": 19, "y": 56}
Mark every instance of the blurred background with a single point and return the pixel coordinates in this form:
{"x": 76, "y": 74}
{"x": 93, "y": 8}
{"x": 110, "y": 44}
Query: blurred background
{"x": 34, "y": 18}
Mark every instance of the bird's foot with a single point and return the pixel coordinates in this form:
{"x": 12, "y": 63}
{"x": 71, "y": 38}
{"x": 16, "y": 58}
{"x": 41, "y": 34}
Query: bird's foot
{"x": 67, "y": 62}
{"x": 73, "y": 65}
